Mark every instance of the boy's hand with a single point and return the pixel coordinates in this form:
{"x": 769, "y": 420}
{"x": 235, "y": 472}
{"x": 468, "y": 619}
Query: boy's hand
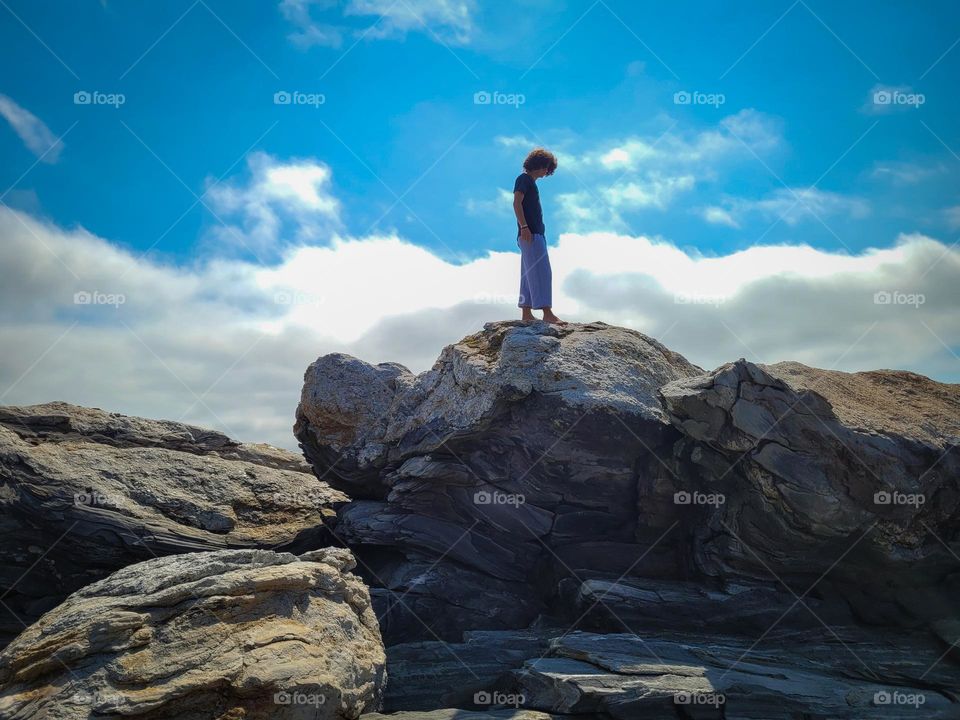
{"x": 526, "y": 235}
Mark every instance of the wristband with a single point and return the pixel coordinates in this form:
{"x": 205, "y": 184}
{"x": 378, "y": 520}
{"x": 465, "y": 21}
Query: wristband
{"x": 524, "y": 227}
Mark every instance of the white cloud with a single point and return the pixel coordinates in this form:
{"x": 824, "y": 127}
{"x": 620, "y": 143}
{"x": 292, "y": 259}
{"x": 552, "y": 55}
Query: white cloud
{"x": 791, "y": 205}
{"x": 281, "y": 202}
{"x": 748, "y": 131}
{"x": 904, "y": 173}
{"x": 35, "y": 135}
{"x": 652, "y": 172}
{"x": 500, "y": 206}
{"x": 447, "y": 21}
{"x": 718, "y": 216}
{"x": 224, "y": 343}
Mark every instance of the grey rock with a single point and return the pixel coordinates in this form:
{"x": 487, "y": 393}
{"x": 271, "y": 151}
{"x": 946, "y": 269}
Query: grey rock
{"x": 455, "y": 714}
{"x": 844, "y": 477}
{"x": 481, "y": 480}
{"x": 226, "y": 634}
{"x": 432, "y": 674}
{"x": 85, "y": 492}
{"x": 803, "y": 676}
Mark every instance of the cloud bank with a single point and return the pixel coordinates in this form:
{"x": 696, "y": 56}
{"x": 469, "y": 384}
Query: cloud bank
{"x": 224, "y": 343}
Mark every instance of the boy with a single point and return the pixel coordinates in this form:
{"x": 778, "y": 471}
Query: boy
{"x": 536, "y": 277}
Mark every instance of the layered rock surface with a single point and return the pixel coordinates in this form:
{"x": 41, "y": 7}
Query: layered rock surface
{"x": 85, "y": 492}
{"x": 480, "y": 482}
{"x": 778, "y": 530}
{"x": 844, "y": 480}
{"x": 227, "y": 634}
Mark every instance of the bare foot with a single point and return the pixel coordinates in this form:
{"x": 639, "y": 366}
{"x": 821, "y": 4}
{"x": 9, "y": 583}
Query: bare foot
{"x": 527, "y": 316}
{"x": 553, "y": 319}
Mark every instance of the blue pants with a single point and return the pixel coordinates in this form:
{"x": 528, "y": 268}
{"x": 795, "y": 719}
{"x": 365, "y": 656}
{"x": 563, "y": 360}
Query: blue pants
{"x": 536, "y": 277}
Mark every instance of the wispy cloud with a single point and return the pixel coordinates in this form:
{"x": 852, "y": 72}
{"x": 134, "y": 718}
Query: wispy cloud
{"x": 791, "y": 205}
{"x": 906, "y": 173}
{"x": 281, "y": 201}
{"x": 35, "y": 134}
{"x": 319, "y": 22}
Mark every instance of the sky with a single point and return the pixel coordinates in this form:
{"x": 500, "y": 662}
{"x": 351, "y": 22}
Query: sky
{"x": 200, "y": 197}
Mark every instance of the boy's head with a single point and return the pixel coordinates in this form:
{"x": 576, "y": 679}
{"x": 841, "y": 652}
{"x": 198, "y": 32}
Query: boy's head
{"x": 540, "y": 163}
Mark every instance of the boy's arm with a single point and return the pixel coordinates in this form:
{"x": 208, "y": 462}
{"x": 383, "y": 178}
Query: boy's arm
{"x": 518, "y": 211}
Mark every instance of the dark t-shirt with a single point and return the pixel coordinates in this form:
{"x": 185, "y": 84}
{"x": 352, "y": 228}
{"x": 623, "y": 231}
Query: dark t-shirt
{"x": 531, "y": 204}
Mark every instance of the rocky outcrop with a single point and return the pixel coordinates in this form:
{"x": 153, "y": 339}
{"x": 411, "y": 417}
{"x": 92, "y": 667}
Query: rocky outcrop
{"x": 846, "y": 481}
{"x": 85, "y": 492}
{"x": 796, "y": 676}
{"x": 774, "y": 532}
{"x": 530, "y": 455}
{"x": 227, "y": 634}
{"x": 841, "y": 672}
{"x": 483, "y": 480}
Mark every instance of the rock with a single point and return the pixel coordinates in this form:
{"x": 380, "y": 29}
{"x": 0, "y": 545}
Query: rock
{"x": 843, "y": 481}
{"x": 840, "y": 671}
{"x": 810, "y": 675}
{"x": 735, "y": 523}
{"x": 226, "y": 634}
{"x": 85, "y": 492}
{"x": 455, "y": 714}
{"x": 650, "y": 605}
{"x": 432, "y": 674}
{"x": 478, "y": 483}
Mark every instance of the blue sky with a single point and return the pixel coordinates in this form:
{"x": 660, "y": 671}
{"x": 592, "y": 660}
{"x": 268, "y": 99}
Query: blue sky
{"x": 774, "y": 180}
{"x": 199, "y": 80}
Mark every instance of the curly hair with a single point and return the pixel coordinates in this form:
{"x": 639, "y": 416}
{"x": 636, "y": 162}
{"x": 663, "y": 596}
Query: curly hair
{"x": 540, "y": 159}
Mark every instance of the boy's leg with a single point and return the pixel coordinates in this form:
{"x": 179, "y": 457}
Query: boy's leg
{"x": 524, "y": 300}
{"x": 541, "y": 282}
{"x": 539, "y": 275}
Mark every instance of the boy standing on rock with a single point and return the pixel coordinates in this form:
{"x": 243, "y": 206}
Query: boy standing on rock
{"x": 536, "y": 277}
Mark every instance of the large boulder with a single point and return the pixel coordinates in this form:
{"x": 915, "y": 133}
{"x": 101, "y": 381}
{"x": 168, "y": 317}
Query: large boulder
{"x": 85, "y": 492}
{"x": 478, "y": 483}
{"x": 565, "y": 471}
{"x": 227, "y": 634}
{"x": 840, "y": 483}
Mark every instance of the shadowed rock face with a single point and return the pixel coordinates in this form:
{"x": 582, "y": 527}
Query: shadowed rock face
{"x": 532, "y": 461}
{"x": 656, "y": 673}
{"x": 229, "y": 634}
{"x": 824, "y": 473}
{"x": 85, "y": 492}
{"x": 515, "y": 460}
